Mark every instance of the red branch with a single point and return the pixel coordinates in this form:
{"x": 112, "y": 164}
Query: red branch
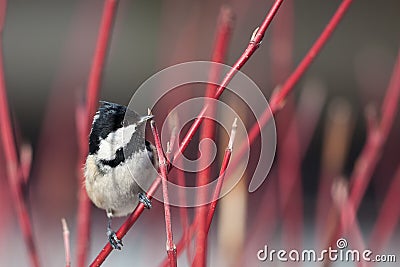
{"x": 207, "y": 131}
{"x": 371, "y": 153}
{"x": 93, "y": 88}
{"x": 66, "y": 243}
{"x": 171, "y": 249}
{"x": 103, "y": 42}
{"x": 221, "y": 177}
{"x": 184, "y": 241}
{"x": 254, "y": 43}
{"x": 180, "y": 177}
{"x": 15, "y": 171}
{"x": 251, "y": 48}
{"x": 376, "y": 138}
{"x": 287, "y": 87}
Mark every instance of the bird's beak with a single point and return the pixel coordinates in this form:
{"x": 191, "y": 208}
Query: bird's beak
{"x": 145, "y": 118}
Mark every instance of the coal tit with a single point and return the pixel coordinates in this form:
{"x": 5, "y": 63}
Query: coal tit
{"x": 119, "y": 156}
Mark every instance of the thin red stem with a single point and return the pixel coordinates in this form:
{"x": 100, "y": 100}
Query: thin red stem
{"x": 66, "y": 243}
{"x": 309, "y": 58}
{"x": 93, "y": 88}
{"x": 183, "y": 210}
{"x": 100, "y": 54}
{"x": 376, "y": 138}
{"x": 180, "y": 177}
{"x": 213, "y": 205}
{"x": 183, "y": 243}
{"x": 251, "y": 48}
{"x": 221, "y": 177}
{"x": 367, "y": 162}
{"x": 371, "y": 153}
{"x": 14, "y": 169}
{"x": 171, "y": 249}
{"x": 207, "y": 131}
{"x": 185, "y": 240}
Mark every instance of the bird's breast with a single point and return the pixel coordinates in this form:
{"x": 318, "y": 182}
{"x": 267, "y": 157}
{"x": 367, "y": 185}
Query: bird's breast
{"x": 117, "y": 188}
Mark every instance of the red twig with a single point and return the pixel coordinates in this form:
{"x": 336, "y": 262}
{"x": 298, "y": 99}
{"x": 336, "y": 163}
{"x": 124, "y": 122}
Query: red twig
{"x": 253, "y": 45}
{"x": 208, "y": 129}
{"x": 221, "y": 177}
{"x": 278, "y": 98}
{"x": 370, "y": 155}
{"x": 223, "y": 35}
{"x": 180, "y": 176}
{"x": 93, "y": 88}
{"x": 15, "y": 173}
{"x": 281, "y": 44}
{"x": 185, "y": 240}
{"x": 66, "y": 243}
{"x": 171, "y": 248}
{"x": 103, "y": 41}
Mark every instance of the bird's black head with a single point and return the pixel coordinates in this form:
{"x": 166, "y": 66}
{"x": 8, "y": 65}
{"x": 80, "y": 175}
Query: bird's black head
{"x": 109, "y": 118}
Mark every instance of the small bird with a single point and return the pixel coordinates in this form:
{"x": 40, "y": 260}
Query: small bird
{"x": 119, "y": 156}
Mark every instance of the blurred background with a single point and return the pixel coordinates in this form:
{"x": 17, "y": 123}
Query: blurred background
{"x": 48, "y": 50}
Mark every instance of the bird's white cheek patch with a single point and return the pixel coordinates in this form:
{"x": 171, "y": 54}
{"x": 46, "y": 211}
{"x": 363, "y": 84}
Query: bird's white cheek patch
{"x": 114, "y": 141}
{"x": 96, "y": 117}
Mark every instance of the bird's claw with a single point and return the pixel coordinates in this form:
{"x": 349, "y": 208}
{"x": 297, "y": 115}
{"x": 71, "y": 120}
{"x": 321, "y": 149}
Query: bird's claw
{"x": 145, "y": 200}
{"x": 115, "y": 242}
